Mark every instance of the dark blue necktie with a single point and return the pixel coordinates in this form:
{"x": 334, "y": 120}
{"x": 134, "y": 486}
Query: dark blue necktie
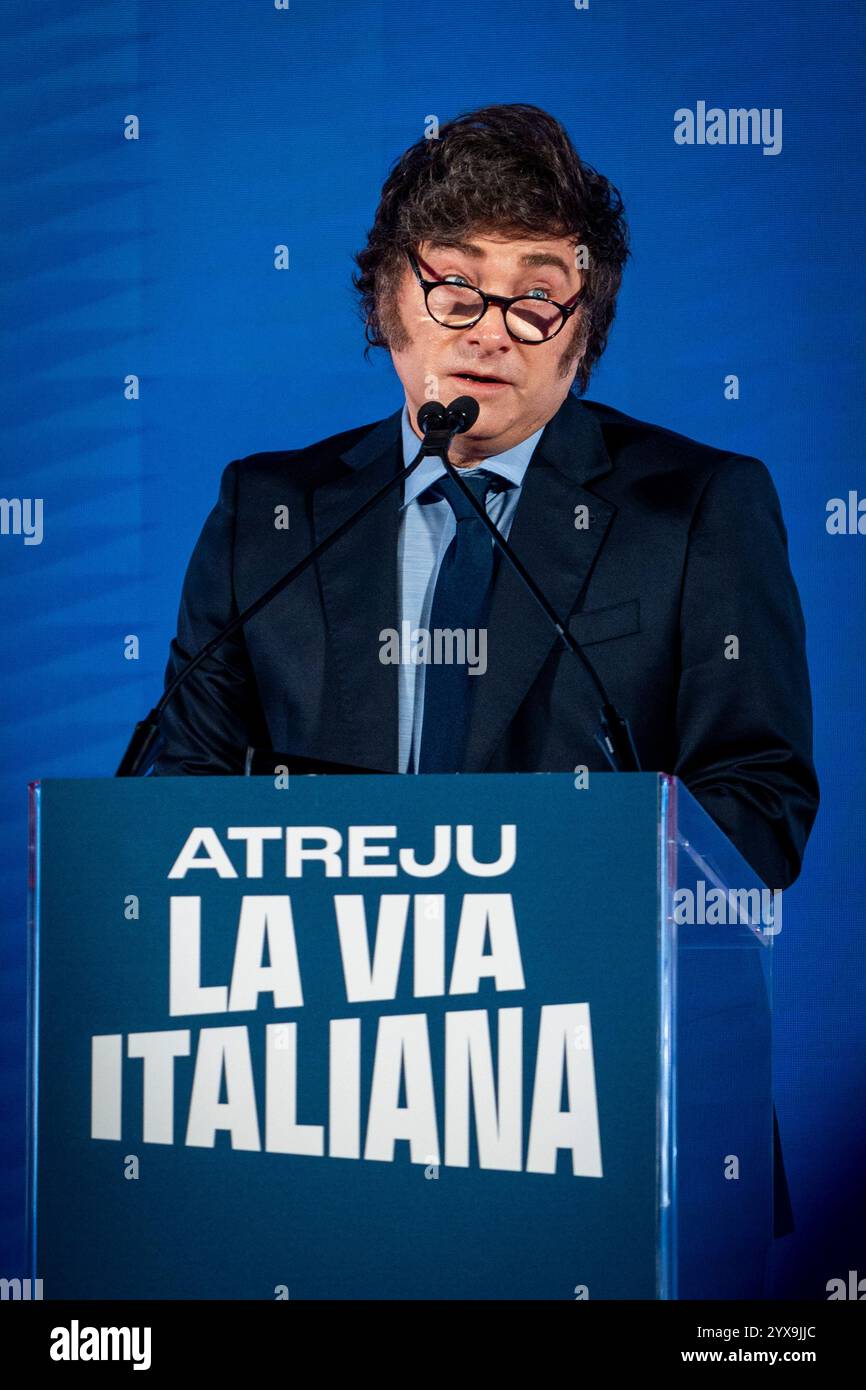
{"x": 461, "y": 600}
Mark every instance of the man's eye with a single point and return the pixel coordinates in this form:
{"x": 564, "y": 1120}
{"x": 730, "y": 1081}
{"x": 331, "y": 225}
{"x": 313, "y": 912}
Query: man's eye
{"x": 538, "y": 294}
{"x": 456, "y": 280}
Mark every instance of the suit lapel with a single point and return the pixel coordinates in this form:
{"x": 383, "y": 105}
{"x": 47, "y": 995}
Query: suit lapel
{"x": 557, "y": 554}
{"x": 359, "y": 582}
{"x": 358, "y": 578}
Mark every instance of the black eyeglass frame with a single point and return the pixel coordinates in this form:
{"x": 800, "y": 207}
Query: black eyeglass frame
{"x": 503, "y": 302}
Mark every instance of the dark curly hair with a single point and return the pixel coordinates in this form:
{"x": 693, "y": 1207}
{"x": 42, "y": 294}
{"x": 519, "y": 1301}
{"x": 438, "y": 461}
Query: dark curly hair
{"x": 500, "y": 168}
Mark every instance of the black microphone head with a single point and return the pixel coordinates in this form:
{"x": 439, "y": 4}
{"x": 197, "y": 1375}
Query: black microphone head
{"x": 431, "y": 416}
{"x": 462, "y": 414}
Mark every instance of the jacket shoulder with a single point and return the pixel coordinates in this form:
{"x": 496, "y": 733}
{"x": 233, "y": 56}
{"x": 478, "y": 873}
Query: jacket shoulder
{"x": 633, "y": 442}
{"x": 663, "y": 466}
{"x": 307, "y": 464}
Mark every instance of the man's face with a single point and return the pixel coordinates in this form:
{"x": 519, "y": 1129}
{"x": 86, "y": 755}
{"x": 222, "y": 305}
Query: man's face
{"x": 527, "y": 383}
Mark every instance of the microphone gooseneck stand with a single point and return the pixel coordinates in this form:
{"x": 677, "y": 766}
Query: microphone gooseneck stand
{"x": 438, "y": 434}
{"x": 614, "y": 736}
{"x": 438, "y": 424}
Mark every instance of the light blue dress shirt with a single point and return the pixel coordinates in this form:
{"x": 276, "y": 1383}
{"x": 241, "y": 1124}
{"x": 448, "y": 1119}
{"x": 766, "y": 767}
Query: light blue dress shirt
{"x": 426, "y": 531}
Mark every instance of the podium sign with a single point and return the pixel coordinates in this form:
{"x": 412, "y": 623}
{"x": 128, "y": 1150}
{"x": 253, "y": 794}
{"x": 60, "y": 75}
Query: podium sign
{"x": 384, "y": 1037}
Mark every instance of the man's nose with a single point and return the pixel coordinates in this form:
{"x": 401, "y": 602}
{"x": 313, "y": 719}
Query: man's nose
{"x": 489, "y": 331}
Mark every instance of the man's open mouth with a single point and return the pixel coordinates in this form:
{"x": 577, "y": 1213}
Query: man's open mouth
{"x": 475, "y": 376}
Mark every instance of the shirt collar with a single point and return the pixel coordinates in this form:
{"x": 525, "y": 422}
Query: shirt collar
{"x": 510, "y": 465}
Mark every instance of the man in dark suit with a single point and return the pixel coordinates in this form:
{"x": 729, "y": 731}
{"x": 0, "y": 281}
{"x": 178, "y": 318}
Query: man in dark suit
{"x": 492, "y": 270}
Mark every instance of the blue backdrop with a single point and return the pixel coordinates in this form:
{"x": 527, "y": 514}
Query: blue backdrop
{"x": 154, "y": 258}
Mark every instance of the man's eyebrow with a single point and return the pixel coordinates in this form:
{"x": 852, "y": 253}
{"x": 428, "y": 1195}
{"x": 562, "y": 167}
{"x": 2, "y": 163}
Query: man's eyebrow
{"x": 537, "y": 258}
{"x": 532, "y": 258}
{"x": 469, "y": 247}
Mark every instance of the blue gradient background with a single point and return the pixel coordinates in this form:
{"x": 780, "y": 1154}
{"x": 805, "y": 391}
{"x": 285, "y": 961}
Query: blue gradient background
{"x": 155, "y": 257}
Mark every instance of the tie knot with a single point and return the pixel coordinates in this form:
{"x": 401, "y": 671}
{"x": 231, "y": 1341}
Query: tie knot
{"x": 479, "y": 484}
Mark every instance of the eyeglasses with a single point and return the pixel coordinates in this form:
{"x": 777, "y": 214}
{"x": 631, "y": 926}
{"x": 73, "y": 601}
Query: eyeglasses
{"x": 527, "y": 319}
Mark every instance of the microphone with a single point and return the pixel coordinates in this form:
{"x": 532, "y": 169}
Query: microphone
{"x": 431, "y": 416}
{"x": 614, "y": 736}
{"x": 462, "y": 414}
{"x": 438, "y": 427}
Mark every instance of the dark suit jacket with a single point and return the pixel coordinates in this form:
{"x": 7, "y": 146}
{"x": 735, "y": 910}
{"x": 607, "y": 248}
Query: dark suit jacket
{"x": 685, "y": 548}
